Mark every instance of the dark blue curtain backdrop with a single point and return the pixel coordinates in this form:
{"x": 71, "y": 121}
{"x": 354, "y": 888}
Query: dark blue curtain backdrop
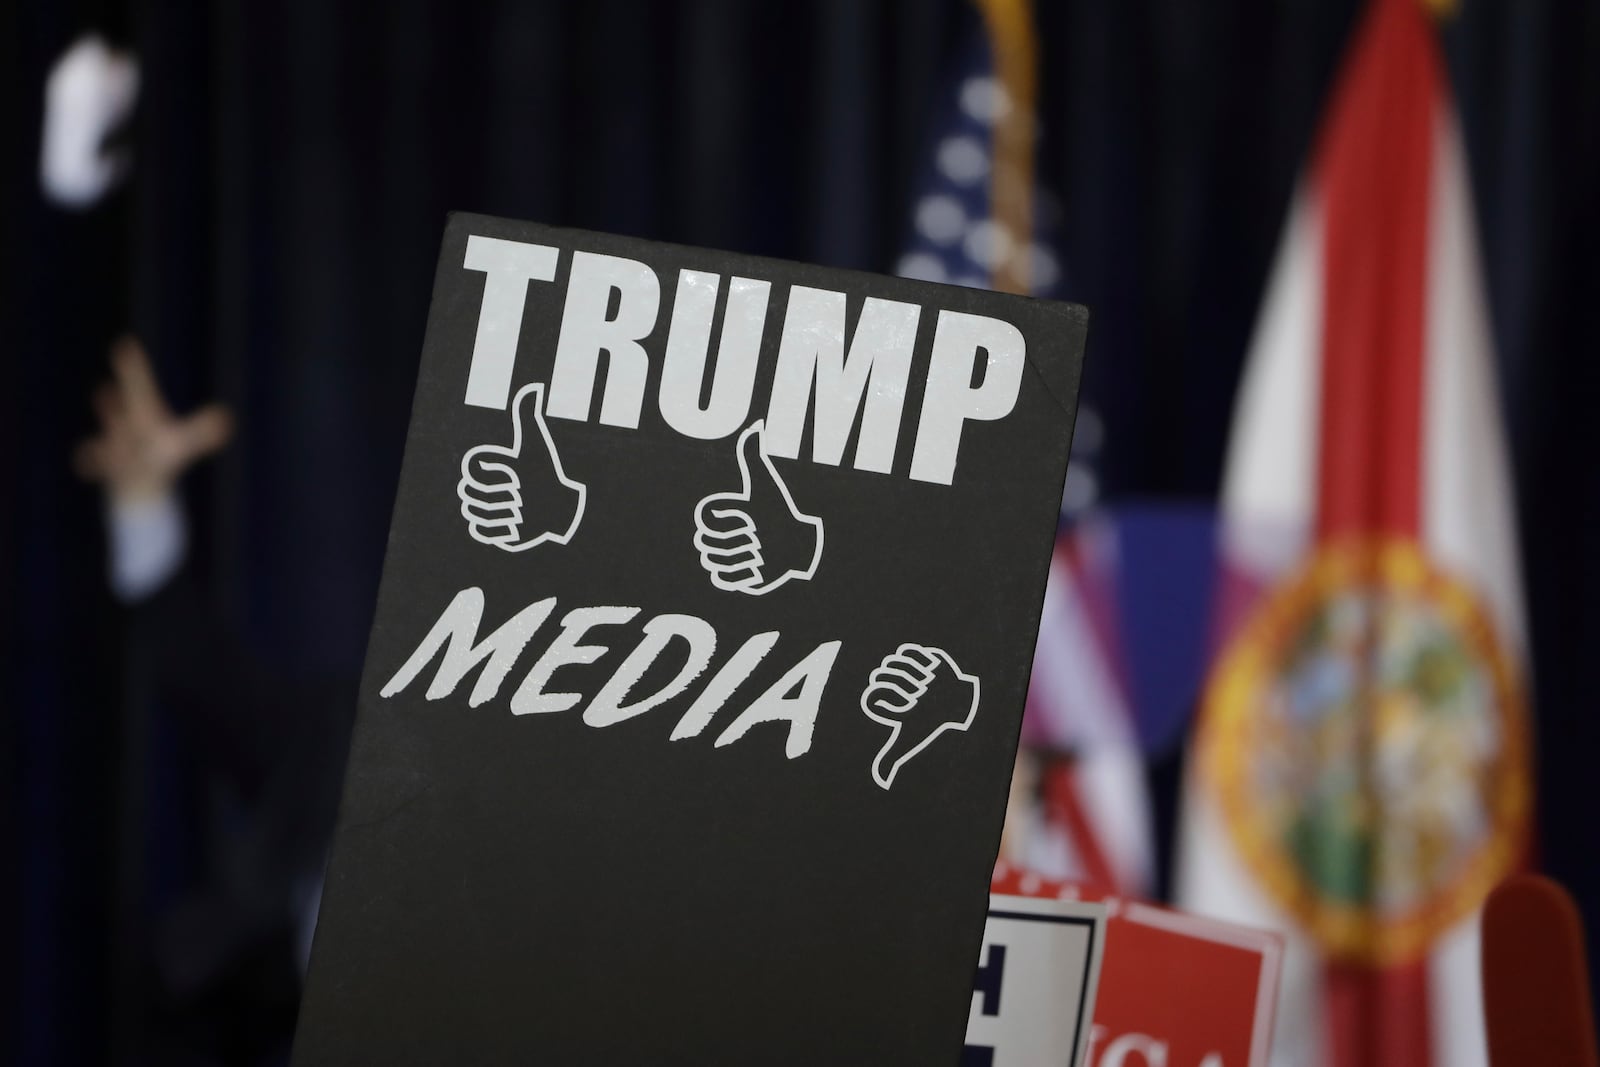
{"x": 276, "y": 246}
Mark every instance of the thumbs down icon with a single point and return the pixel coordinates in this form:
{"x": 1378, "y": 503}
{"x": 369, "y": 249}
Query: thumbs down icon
{"x": 518, "y": 496}
{"x": 755, "y": 539}
{"x": 918, "y": 692}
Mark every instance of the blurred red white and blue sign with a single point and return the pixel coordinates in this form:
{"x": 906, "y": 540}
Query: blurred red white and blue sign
{"x": 1175, "y": 989}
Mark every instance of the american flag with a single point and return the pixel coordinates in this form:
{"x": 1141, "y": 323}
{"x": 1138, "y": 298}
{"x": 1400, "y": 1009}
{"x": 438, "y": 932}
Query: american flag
{"x": 981, "y": 219}
{"x": 960, "y": 233}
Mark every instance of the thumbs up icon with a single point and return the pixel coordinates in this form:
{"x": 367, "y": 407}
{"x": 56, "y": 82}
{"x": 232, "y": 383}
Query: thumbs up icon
{"x": 518, "y": 497}
{"x": 754, "y": 540}
{"x": 918, "y": 692}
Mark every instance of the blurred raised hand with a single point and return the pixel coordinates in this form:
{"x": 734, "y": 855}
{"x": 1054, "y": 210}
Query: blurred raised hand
{"x": 142, "y": 448}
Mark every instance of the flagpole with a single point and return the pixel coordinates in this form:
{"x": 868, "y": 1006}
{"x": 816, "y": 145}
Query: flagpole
{"x": 1016, "y": 62}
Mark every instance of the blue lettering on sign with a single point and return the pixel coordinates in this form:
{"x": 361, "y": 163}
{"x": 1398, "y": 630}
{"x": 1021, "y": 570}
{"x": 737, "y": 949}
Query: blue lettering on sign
{"x": 986, "y": 982}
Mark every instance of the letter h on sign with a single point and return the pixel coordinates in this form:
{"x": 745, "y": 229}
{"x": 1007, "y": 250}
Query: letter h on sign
{"x": 986, "y": 984}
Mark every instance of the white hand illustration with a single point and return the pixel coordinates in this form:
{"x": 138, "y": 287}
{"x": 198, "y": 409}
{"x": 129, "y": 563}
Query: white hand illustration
{"x": 518, "y": 497}
{"x": 754, "y": 540}
{"x": 918, "y": 692}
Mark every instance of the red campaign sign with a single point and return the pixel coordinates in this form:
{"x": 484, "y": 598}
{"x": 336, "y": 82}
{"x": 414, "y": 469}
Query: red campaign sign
{"x": 1176, "y": 990}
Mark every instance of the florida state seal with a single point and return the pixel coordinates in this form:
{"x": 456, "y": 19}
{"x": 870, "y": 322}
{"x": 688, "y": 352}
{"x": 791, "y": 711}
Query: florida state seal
{"x": 1366, "y": 736}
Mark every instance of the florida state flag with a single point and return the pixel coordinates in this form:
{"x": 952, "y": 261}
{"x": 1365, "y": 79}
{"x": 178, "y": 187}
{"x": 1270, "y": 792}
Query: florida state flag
{"x": 1360, "y": 775}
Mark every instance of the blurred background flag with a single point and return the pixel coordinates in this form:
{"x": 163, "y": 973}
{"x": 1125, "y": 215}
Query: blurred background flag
{"x": 1120, "y": 638}
{"x": 1079, "y": 809}
{"x": 1093, "y": 822}
{"x": 1360, "y": 774}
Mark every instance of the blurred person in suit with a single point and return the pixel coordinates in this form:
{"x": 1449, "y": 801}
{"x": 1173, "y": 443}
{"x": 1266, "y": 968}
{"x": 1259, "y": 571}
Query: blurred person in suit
{"x": 227, "y": 956}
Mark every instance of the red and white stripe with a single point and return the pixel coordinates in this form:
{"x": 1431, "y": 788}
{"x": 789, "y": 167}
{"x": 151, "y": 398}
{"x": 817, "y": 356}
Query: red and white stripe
{"x": 1368, "y": 406}
{"x": 1095, "y": 825}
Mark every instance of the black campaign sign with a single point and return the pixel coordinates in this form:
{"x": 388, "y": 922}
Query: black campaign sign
{"x": 699, "y": 661}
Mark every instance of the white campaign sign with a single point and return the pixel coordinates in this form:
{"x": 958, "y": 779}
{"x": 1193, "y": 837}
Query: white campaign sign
{"x": 1033, "y": 993}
